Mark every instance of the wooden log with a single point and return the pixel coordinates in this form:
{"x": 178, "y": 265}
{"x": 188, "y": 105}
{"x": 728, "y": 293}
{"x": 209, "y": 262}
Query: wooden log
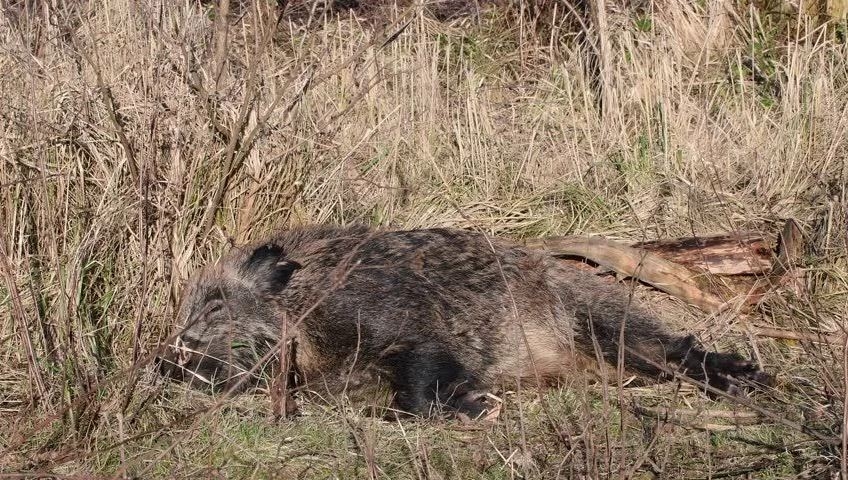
{"x": 784, "y": 271}
{"x": 743, "y": 254}
{"x": 710, "y": 272}
{"x": 652, "y": 269}
{"x": 789, "y": 248}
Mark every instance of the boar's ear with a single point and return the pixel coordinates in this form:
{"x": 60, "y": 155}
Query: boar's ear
{"x": 269, "y": 264}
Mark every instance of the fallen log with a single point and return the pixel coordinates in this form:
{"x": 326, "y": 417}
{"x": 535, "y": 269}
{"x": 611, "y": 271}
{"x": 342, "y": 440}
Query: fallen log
{"x": 743, "y": 254}
{"x": 647, "y": 267}
{"x": 710, "y": 272}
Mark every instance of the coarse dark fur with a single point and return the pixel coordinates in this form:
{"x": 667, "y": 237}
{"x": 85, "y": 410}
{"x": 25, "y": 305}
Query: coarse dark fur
{"x": 440, "y": 315}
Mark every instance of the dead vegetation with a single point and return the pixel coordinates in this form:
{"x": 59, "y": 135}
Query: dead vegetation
{"x": 139, "y": 139}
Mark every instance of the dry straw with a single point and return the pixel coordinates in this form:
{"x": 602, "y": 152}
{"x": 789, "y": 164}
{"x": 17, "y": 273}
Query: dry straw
{"x": 141, "y": 138}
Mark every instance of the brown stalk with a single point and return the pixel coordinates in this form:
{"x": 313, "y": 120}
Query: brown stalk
{"x": 819, "y": 337}
{"x": 239, "y": 145}
{"x": 19, "y": 313}
{"x": 112, "y": 109}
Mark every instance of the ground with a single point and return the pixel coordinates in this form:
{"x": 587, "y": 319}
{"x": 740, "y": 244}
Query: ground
{"x": 140, "y": 139}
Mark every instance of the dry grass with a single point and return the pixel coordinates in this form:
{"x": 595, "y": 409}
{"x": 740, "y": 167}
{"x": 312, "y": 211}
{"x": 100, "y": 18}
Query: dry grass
{"x": 139, "y": 138}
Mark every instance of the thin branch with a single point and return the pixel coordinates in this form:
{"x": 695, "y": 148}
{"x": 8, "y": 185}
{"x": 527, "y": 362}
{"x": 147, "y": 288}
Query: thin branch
{"x": 112, "y": 109}
{"x": 19, "y": 313}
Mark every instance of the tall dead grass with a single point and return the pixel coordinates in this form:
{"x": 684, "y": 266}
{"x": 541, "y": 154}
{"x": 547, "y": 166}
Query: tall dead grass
{"x": 141, "y": 138}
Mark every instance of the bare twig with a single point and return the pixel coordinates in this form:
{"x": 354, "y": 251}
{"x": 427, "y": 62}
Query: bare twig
{"x": 112, "y": 109}
{"x": 818, "y": 337}
{"x": 746, "y": 402}
{"x": 20, "y": 314}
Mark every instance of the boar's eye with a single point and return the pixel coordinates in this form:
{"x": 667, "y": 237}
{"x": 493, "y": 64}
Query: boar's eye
{"x": 214, "y": 306}
{"x": 213, "y": 303}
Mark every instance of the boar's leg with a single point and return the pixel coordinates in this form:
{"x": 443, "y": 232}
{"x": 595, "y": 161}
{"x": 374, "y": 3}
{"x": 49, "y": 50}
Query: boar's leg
{"x": 427, "y": 380}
